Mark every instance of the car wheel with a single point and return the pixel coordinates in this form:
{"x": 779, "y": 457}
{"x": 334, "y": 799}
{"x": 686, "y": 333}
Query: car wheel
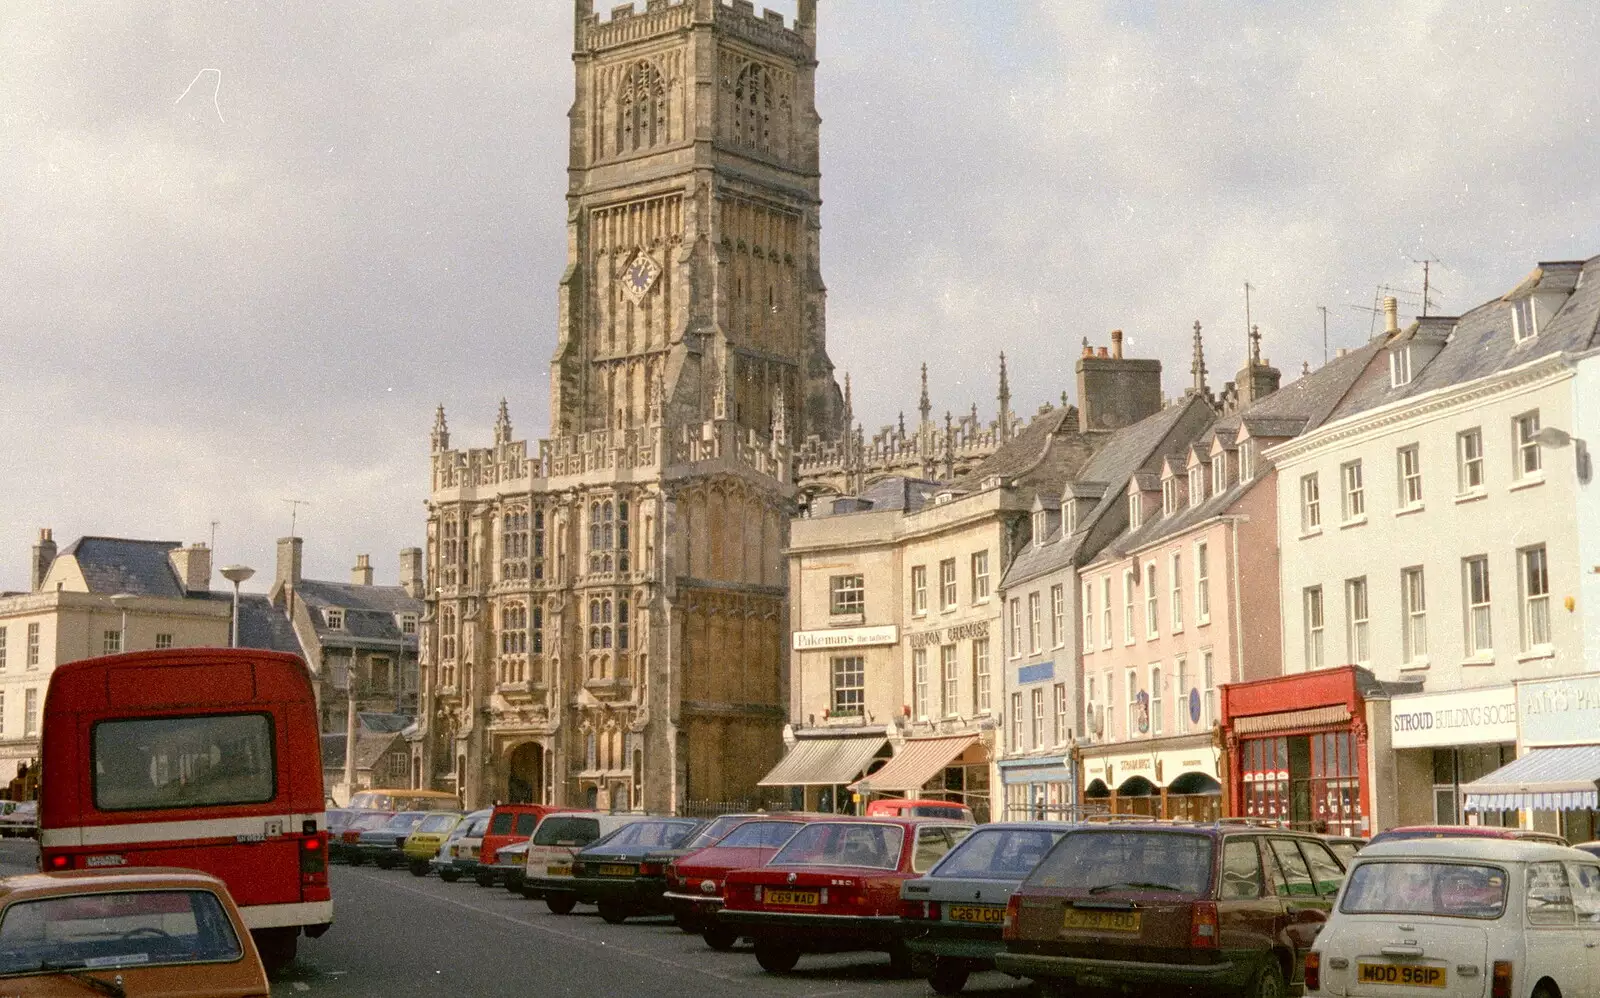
{"x": 948, "y": 976}
{"x": 614, "y": 912}
{"x": 1269, "y": 979}
{"x": 561, "y": 904}
{"x": 419, "y": 868}
{"x": 776, "y": 957}
{"x": 720, "y": 937}
{"x": 449, "y": 876}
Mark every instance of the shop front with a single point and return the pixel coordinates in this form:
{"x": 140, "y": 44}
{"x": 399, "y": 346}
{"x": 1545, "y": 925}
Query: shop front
{"x": 1161, "y": 778}
{"x": 1442, "y": 743}
{"x": 1297, "y": 750}
{"x": 1550, "y": 785}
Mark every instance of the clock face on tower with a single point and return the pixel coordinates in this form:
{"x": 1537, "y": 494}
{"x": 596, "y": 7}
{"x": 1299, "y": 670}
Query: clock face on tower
{"x": 640, "y": 276}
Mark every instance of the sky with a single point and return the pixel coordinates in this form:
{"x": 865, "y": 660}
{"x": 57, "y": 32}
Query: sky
{"x": 249, "y": 246}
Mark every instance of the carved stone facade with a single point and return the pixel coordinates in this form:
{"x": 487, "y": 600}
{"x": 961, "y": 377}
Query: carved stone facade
{"x": 607, "y": 609}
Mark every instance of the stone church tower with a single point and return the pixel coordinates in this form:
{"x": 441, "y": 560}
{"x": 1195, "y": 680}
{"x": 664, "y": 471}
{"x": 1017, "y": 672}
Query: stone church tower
{"x": 607, "y": 611}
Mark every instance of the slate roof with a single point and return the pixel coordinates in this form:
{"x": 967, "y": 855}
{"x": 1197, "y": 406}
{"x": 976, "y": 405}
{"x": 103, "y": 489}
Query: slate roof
{"x": 117, "y": 565}
{"x": 262, "y": 625}
{"x": 1483, "y": 344}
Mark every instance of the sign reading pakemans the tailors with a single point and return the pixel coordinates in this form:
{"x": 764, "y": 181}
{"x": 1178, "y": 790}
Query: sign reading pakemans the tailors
{"x": 949, "y": 635}
{"x": 846, "y": 637}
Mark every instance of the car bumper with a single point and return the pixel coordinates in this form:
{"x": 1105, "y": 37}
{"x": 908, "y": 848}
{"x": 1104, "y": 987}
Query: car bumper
{"x": 868, "y": 931}
{"x": 1224, "y": 976}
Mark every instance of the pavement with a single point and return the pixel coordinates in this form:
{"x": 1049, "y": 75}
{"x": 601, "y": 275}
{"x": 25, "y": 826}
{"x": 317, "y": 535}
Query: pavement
{"x": 399, "y": 935}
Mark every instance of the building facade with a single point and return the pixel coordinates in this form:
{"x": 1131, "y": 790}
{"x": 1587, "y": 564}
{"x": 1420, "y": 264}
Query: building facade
{"x": 606, "y": 608}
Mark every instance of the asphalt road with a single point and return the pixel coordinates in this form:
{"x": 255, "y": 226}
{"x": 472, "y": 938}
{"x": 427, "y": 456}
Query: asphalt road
{"x": 397, "y": 935}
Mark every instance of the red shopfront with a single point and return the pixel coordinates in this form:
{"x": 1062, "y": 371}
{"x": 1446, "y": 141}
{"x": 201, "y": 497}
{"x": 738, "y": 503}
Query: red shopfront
{"x": 1297, "y": 750}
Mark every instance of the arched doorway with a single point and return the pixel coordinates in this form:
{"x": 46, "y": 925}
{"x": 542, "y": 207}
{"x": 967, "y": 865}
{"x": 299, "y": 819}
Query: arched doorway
{"x": 1194, "y": 797}
{"x": 525, "y": 774}
{"x": 1138, "y": 795}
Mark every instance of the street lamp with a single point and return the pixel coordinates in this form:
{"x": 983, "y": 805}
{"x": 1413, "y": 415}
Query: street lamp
{"x": 236, "y": 574}
{"x": 121, "y": 601}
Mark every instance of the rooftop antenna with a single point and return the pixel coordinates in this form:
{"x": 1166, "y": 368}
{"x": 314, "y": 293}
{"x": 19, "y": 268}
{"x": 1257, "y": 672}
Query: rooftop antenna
{"x": 1324, "y": 310}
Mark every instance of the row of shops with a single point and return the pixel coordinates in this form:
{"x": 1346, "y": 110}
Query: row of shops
{"x": 1334, "y": 750}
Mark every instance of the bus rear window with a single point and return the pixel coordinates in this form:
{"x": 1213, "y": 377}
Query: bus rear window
{"x": 209, "y": 760}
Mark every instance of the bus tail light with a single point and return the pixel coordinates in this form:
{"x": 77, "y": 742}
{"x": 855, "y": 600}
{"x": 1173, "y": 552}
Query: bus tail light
{"x": 1203, "y": 925}
{"x": 314, "y": 861}
{"x": 1313, "y": 971}
{"x": 1500, "y": 986}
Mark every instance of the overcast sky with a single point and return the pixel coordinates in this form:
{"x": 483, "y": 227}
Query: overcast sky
{"x": 248, "y": 247}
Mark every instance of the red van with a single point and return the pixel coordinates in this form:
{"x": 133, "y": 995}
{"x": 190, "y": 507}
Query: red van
{"x": 508, "y": 825}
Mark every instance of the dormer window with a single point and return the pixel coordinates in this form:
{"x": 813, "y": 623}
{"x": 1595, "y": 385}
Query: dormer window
{"x": 1219, "y": 474}
{"x": 1400, "y": 366}
{"x": 1197, "y": 485}
{"x": 1524, "y": 320}
{"x": 334, "y": 618}
{"x": 1169, "y": 496}
{"x": 1133, "y": 511}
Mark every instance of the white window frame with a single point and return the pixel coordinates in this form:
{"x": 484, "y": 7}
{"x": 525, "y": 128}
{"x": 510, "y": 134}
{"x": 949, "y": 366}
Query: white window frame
{"x": 1156, "y": 728}
{"x": 1015, "y": 609}
{"x": 1202, "y": 583}
{"x": 919, "y": 683}
{"x": 1533, "y": 576}
{"x": 1408, "y": 465}
{"x": 1413, "y": 615}
{"x": 1358, "y": 632}
{"x": 1316, "y": 619}
{"x": 1352, "y": 491}
{"x": 919, "y": 590}
{"x": 1478, "y": 595}
{"x": 1529, "y": 460}
{"x": 980, "y": 675}
{"x": 947, "y": 584}
{"x": 1058, "y": 615}
{"x": 1127, "y": 606}
{"x": 980, "y": 576}
{"x": 1175, "y": 598}
{"x": 1152, "y": 603}
{"x": 1469, "y": 461}
{"x": 1035, "y": 625}
{"x": 1310, "y": 504}
{"x": 949, "y": 681}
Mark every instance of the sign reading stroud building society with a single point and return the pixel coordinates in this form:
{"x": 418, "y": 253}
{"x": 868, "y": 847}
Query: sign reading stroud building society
{"x": 1468, "y": 717}
{"x": 846, "y": 637}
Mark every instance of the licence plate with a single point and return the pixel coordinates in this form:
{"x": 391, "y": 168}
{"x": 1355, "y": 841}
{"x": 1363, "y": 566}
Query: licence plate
{"x": 558, "y": 870}
{"x": 980, "y": 914}
{"x": 615, "y": 870}
{"x": 792, "y": 897}
{"x": 1401, "y": 974}
{"x": 1112, "y": 921}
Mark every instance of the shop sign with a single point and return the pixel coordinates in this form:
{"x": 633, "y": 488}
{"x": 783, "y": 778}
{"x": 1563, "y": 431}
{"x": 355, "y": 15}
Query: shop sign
{"x": 1559, "y": 711}
{"x": 1467, "y": 717}
{"x": 846, "y": 637}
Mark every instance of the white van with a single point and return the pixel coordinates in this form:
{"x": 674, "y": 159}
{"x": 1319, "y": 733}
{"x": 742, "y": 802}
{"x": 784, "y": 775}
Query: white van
{"x": 1462, "y": 918}
{"x": 556, "y": 840}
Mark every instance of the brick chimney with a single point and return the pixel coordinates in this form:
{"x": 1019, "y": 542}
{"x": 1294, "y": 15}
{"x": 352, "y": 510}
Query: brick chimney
{"x": 361, "y": 575}
{"x": 289, "y": 549}
{"x": 411, "y": 571}
{"x": 1116, "y": 391}
{"x": 193, "y": 565}
{"x": 44, "y": 554}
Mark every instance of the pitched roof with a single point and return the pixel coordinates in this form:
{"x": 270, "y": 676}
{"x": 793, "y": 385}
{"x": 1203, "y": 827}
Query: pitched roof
{"x": 118, "y": 565}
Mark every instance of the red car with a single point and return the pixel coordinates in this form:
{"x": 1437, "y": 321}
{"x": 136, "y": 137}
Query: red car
{"x": 694, "y": 882}
{"x": 508, "y": 825}
{"x": 834, "y": 887}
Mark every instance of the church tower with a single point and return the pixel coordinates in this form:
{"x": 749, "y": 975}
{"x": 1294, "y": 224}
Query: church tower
{"x": 607, "y": 608}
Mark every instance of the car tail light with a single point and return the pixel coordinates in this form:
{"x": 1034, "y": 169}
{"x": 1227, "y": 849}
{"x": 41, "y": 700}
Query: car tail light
{"x": 920, "y": 910}
{"x": 1203, "y": 925}
{"x": 650, "y": 869}
{"x": 1500, "y": 986}
{"x": 1313, "y": 971}
{"x": 314, "y": 860}
{"x": 1008, "y": 925}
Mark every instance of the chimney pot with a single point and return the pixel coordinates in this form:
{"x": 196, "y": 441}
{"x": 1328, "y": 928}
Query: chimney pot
{"x": 1116, "y": 343}
{"x": 1391, "y": 315}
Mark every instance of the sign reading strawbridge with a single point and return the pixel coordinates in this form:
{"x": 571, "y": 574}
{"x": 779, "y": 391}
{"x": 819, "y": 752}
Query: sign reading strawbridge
{"x": 846, "y": 637}
{"x": 1466, "y": 717}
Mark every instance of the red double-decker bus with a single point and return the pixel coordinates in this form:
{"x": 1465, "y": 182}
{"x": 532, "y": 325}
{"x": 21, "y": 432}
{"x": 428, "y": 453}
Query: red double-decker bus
{"x": 207, "y": 758}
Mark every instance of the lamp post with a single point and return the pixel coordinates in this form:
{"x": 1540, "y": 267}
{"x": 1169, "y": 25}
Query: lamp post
{"x": 236, "y": 574}
{"x": 121, "y": 601}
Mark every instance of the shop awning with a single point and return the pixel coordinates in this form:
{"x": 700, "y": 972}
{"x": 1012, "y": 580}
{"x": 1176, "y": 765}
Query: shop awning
{"x": 823, "y": 762}
{"x": 916, "y": 763}
{"x": 1314, "y": 717}
{"x": 1546, "y": 779}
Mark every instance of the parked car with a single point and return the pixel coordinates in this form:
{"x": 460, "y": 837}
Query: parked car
{"x": 556, "y": 840}
{"x": 139, "y": 931}
{"x": 382, "y": 845}
{"x": 617, "y": 873}
{"x": 460, "y": 849}
{"x": 405, "y": 800}
{"x": 343, "y": 845}
{"x": 510, "y": 823}
{"x": 19, "y": 819}
{"x": 1465, "y": 831}
{"x": 894, "y": 807}
{"x": 422, "y": 845}
{"x": 1463, "y": 916}
{"x": 833, "y": 887}
{"x": 1217, "y": 908}
{"x": 952, "y": 915}
{"x": 695, "y": 881}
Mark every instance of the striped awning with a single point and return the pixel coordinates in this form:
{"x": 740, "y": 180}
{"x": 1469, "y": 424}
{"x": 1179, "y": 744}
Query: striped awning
{"x": 917, "y": 762}
{"x": 1313, "y": 717}
{"x": 823, "y": 762}
{"x": 1546, "y": 779}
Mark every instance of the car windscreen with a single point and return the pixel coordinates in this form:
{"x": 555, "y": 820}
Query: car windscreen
{"x": 652, "y": 834}
{"x": 827, "y": 843}
{"x": 111, "y": 930}
{"x": 1454, "y": 890}
{"x": 998, "y": 854}
{"x": 438, "y": 823}
{"x": 560, "y": 830}
{"x": 760, "y": 834}
{"x": 715, "y": 831}
{"x": 208, "y": 760}
{"x": 1126, "y": 859}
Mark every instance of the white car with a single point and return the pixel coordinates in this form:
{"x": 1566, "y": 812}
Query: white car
{"x": 1462, "y": 918}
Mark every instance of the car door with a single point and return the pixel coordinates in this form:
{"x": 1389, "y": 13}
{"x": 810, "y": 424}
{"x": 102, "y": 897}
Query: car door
{"x": 1551, "y": 936}
{"x": 1305, "y": 910}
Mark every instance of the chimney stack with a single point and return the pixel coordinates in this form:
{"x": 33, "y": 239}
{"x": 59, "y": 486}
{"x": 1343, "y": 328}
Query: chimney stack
{"x": 361, "y": 575}
{"x": 44, "y": 554}
{"x": 1391, "y": 315}
{"x": 289, "y": 549}
{"x": 411, "y": 571}
{"x": 193, "y": 565}
{"x": 1116, "y": 344}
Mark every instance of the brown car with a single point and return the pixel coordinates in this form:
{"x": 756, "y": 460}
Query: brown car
{"x": 146, "y": 931}
{"x": 1214, "y": 908}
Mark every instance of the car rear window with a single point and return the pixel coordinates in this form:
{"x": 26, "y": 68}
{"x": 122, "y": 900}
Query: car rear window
{"x": 558, "y": 831}
{"x": 106, "y": 931}
{"x": 1124, "y": 859}
{"x": 654, "y": 834}
{"x": 202, "y": 761}
{"x": 840, "y": 844}
{"x": 759, "y": 834}
{"x": 1454, "y": 890}
{"x": 998, "y": 854}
